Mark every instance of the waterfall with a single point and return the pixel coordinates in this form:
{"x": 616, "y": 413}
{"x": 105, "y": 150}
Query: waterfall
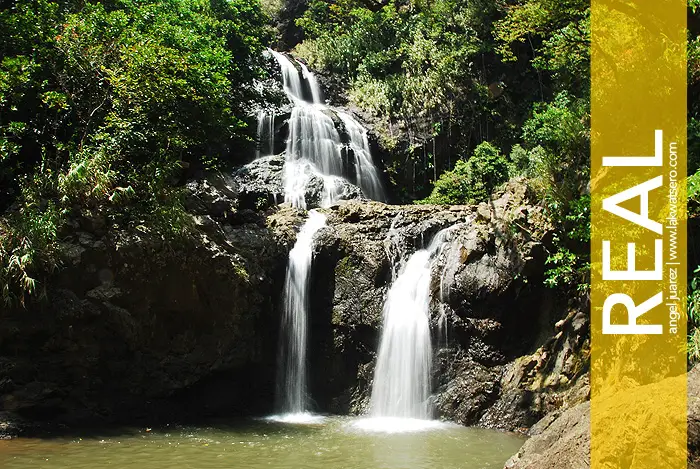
{"x": 265, "y": 134}
{"x": 290, "y": 77}
{"x": 402, "y": 377}
{"x": 314, "y": 145}
{"x": 367, "y": 176}
{"x": 292, "y": 395}
{"x": 313, "y": 84}
{"x": 314, "y": 149}
{"x": 313, "y": 138}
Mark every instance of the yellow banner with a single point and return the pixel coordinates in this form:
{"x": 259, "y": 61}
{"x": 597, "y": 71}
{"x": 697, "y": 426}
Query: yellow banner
{"x": 638, "y": 245}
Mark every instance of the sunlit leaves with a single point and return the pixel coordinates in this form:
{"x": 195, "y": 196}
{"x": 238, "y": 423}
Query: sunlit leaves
{"x": 102, "y": 102}
{"x": 555, "y": 34}
{"x": 473, "y": 180}
{"x": 410, "y": 64}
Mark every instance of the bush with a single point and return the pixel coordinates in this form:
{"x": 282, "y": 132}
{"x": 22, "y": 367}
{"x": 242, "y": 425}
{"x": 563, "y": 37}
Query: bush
{"x": 102, "y": 105}
{"x": 555, "y": 159}
{"x": 569, "y": 263}
{"x": 558, "y": 138}
{"x": 693, "y": 188}
{"x": 694, "y": 317}
{"x": 411, "y": 65}
{"x": 694, "y": 345}
{"x": 28, "y": 251}
{"x": 471, "y": 181}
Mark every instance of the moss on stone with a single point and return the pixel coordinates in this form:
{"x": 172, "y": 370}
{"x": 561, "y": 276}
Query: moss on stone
{"x": 344, "y": 267}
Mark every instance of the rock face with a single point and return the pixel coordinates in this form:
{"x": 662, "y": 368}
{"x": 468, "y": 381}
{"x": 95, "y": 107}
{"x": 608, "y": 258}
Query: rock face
{"x": 562, "y": 439}
{"x": 135, "y": 326}
{"x": 505, "y": 353}
{"x": 289, "y": 34}
{"x": 260, "y": 184}
{"x": 557, "y": 442}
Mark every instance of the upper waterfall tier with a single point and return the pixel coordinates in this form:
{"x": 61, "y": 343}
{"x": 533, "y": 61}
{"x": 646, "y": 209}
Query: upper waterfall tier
{"x": 322, "y": 142}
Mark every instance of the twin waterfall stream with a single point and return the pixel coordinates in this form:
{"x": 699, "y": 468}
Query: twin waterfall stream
{"x": 402, "y": 382}
{"x": 402, "y": 375}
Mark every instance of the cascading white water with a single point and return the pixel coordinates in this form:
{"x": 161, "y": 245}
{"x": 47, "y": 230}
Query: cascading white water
{"x": 367, "y": 176}
{"x": 401, "y": 387}
{"x": 265, "y": 134}
{"x": 290, "y": 77}
{"x": 292, "y": 394}
{"x": 402, "y": 376}
{"x": 314, "y": 138}
{"x": 313, "y": 84}
{"x": 314, "y": 146}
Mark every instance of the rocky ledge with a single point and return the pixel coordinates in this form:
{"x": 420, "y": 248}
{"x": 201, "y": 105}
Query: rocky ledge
{"x": 508, "y": 351}
{"x": 260, "y": 185}
{"x": 136, "y": 325}
{"x": 562, "y": 439}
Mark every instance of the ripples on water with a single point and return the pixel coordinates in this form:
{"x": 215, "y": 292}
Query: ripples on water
{"x": 325, "y": 443}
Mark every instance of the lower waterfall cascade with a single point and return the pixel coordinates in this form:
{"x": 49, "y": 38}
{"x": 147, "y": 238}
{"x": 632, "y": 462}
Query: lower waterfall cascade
{"x": 292, "y": 395}
{"x": 402, "y": 376}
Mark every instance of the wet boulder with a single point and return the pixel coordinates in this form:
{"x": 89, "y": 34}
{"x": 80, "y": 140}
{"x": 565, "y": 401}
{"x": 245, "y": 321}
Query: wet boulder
{"x": 561, "y": 440}
{"x": 260, "y": 184}
{"x": 488, "y": 308}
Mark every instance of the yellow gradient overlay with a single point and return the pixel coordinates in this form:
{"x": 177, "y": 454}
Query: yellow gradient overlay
{"x": 638, "y": 381}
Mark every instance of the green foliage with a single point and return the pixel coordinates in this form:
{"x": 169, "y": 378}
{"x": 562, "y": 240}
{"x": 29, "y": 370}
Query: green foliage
{"x": 28, "y": 251}
{"x": 578, "y": 219}
{"x": 694, "y": 317}
{"x": 102, "y": 106}
{"x": 557, "y": 138}
{"x": 555, "y": 159}
{"x": 693, "y": 102}
{"x": 693, "y": 188}
{"x": 562, "y": 268}
{"x": 412, "y": 65}
{"x": 471, "y": 181}
{"x": 447, "y": 74}
{"x": 569, "y": 263}
{"x": 556, "y": 35}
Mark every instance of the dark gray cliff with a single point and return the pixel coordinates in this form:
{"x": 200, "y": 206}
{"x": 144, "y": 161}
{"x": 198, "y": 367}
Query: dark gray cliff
{"x": 507, "y": 350}
{"x": 136, "y": 326}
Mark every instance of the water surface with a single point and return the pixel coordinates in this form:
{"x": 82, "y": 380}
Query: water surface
{"x": 333, "y": 443}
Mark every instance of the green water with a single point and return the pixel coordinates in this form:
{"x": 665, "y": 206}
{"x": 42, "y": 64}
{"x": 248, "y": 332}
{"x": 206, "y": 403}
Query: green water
{"x": 335, "y": 443}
